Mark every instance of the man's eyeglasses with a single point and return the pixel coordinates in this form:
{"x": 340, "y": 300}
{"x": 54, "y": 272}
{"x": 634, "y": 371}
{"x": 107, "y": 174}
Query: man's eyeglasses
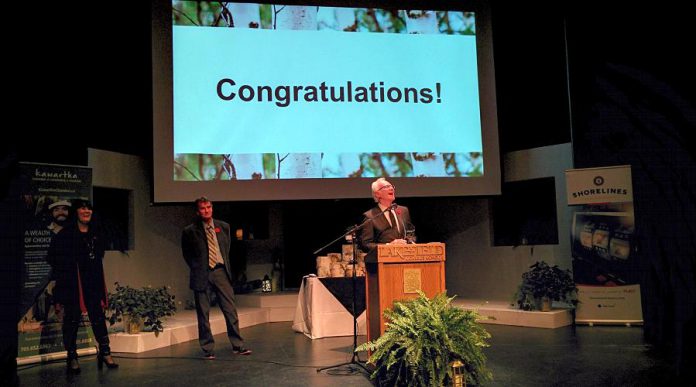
{"x": 386, "y": 187}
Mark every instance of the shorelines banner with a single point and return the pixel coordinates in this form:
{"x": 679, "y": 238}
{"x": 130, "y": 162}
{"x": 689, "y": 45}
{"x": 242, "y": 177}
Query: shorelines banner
{"x": 47, "y": 193}
{"x": 599, "y": 185}
{"x": 602, "y": 245}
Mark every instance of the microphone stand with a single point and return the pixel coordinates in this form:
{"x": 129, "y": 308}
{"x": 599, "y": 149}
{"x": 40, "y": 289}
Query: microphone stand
{"x": 352, "y": 231}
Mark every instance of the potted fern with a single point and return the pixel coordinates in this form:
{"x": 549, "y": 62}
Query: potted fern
{"x": 422, "y": 338}
{"x": 135, "y": 307}
{"x": 542, "y": 284}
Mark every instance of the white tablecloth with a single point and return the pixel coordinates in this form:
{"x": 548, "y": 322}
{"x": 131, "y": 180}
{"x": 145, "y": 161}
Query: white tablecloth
{"x": 319, "y": 314}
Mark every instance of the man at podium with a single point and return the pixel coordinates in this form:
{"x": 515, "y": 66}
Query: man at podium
{"x": 389, "y": 221}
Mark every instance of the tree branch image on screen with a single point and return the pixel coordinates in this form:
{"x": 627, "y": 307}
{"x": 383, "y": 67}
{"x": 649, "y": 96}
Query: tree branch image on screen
{"x": 280, "y": 92}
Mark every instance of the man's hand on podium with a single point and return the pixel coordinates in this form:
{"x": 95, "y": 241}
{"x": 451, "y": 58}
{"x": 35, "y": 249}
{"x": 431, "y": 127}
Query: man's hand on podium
{"x": 398, "y": 242}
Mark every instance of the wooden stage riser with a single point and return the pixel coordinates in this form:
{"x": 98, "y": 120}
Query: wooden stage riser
{"x": 281, "y": 307}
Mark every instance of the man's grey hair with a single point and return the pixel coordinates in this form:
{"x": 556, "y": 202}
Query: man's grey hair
{"x": 375, "y": 187}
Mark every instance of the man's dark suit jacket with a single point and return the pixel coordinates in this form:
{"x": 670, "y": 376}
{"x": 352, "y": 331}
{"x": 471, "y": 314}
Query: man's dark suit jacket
{"x": 379, "y": 230}
{"x": 194, "y": 246}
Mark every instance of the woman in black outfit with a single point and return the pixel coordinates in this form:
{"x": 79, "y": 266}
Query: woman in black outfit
{"x": 76, "y": 255}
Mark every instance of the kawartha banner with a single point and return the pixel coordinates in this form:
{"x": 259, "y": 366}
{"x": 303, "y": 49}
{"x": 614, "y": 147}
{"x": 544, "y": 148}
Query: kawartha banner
{"x": 47, "y": 194}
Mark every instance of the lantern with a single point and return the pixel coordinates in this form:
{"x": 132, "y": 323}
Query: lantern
{"x": 266, "y": 286}
{"x": 458, "y": 376}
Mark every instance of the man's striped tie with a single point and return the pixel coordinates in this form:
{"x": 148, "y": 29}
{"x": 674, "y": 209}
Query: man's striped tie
{"x": 212, "y": 251}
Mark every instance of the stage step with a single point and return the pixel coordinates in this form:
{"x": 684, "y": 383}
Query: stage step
{"x": 503, "y": 313}
{"x": 281, "y": 305}
{"x": 252, "y": 309}
{"x": 261, "y": 308}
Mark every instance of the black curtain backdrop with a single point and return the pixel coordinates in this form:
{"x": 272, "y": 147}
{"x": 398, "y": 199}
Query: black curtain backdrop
{"x": 632, "y": 85}
{"x": 11, "y": 252}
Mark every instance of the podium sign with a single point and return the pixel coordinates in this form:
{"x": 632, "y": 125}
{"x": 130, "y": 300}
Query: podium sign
{"x": 427, "y": 252}
{"x": 397, "y": 272}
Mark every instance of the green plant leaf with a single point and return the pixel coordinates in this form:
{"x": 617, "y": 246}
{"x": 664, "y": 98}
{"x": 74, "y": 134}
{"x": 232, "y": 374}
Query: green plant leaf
{"x": 542, "y": 280}
{"x": 422, "y": 337}
{"x": 149, "y": 304}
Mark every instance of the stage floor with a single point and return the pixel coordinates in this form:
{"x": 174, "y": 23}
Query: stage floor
{"x": 518, "y": 356}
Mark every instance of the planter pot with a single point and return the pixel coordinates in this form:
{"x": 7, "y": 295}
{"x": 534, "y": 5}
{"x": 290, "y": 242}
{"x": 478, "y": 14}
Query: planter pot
{"x": 132, "y": 324}
{"x": 544, "y": 304}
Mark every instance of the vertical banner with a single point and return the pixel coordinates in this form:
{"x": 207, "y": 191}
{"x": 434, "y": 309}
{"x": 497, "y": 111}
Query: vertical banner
{"x": 604, "y": 264}
{"x": 46, "y": 194}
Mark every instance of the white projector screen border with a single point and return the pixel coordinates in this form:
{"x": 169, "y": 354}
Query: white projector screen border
{"x": 167, "y": 190}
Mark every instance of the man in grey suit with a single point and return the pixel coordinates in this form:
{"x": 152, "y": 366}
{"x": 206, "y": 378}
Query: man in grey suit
{"x": 388, "y": 220}
{"x": 205, "y": 245}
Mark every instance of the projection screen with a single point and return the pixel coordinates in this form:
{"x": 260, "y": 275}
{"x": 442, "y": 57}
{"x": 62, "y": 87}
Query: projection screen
{"x": 286, "y": 102}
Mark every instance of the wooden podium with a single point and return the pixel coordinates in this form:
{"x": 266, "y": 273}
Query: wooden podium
{"x": 396, "y": 272}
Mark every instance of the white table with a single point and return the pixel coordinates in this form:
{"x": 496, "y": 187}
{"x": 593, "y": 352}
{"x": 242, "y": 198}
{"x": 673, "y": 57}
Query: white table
{"x": 319, "y": 314}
